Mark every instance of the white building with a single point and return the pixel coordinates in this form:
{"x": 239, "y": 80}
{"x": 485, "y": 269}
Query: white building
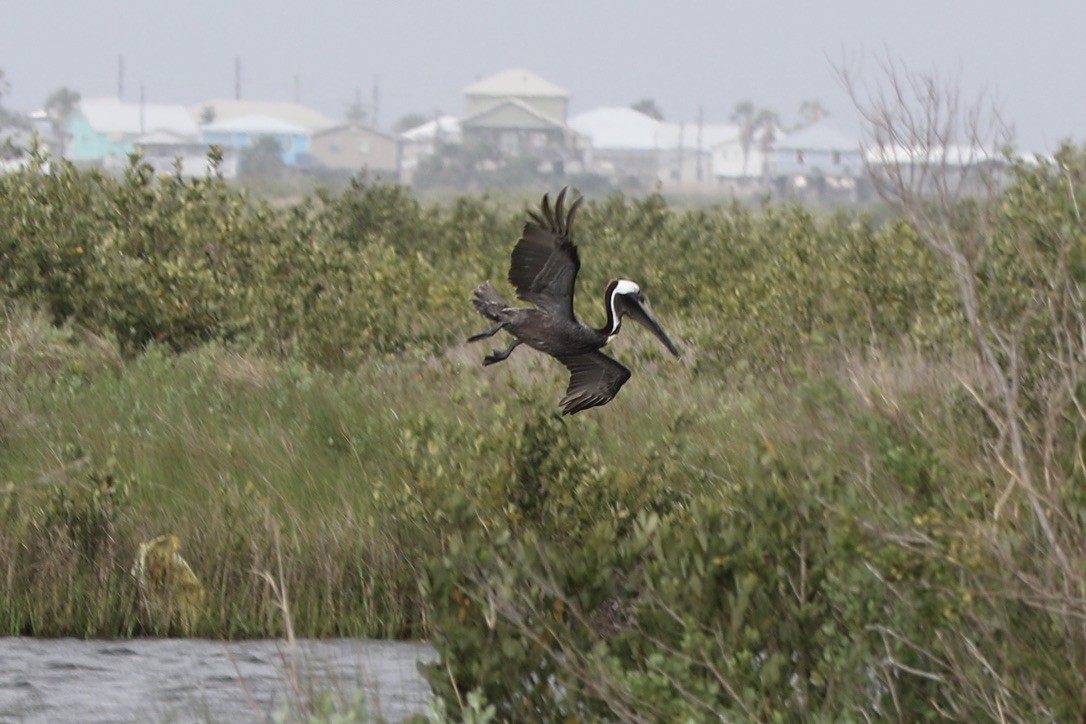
{"x": 817, "y": 161}
{"x": 633, "y": 149}
{"x": 424, "y": 141}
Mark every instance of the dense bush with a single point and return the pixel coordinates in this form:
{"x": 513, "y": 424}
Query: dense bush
{"x": 150, "y": 260}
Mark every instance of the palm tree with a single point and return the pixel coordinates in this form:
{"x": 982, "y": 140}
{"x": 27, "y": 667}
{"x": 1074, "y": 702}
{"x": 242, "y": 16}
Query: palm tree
{"x": 743, "y": 116}
{"x": 59, "y": 106}
{"x": 754, "y": 123}
{"x": 811, "y": 111}
{"x": 649, "y": 108}
{"x": 7, "y": 118}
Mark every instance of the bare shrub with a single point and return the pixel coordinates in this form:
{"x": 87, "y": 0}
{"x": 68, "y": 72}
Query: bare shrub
{"x": 1007, "y": 230}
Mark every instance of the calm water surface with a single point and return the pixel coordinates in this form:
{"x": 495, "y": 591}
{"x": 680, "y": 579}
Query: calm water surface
{"x": 183, "y": 680}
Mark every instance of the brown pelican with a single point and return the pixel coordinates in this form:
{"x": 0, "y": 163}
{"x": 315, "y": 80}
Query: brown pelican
{"x": 543, "y": 270}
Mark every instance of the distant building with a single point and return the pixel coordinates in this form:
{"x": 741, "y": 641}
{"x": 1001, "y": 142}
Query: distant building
{"x": 623, "y": 145}
{"x": 243, "y": 131}
{"x": 636, "y": 150}
{"x": 14, "y": 149}
{"x": 104, "y": 132}
{"x": 424, "y": 141}
{"x": 818, "y": 162}
{"x": 520, "y": 114}
{"x": 688, "y": 151}
{"x": 163, "y": 151}
{"x": 739, "y": 170}
{"x": 353, "y": 147}
{"x": 295, "y": 114}
{"x": 968, "y": 169}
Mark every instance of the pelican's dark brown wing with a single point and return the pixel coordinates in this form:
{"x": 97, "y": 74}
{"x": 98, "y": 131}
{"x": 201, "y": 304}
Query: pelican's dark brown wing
{"x": 594, "y": 380}
{"x": 545, "y": 261}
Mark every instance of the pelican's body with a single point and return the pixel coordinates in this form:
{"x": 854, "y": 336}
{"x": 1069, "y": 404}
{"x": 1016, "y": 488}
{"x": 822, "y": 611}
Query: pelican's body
{"x": 543, "y": 270}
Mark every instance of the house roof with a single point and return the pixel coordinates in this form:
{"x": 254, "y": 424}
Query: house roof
{"x": 447, "y": 126}
{"x": 818, "y": 137}
{"x": 616, "y": 128}
{"x": 514, "y": 103}
{"x": 949, "y": 156}
{"x": 515, "y": 82}
{"x": 291, "y": 113}
{"x": 255, "y": 124}
{"x": 354, "y": 126}
{"x": 703, "y": 136}
{"x": 112, "y": 116}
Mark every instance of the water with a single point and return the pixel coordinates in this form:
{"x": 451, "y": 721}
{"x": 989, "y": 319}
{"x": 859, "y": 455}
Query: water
{"x": 187, "y": 680}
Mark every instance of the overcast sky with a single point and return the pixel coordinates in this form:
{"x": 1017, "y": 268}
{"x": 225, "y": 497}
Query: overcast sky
{"x": 683, "y": 54}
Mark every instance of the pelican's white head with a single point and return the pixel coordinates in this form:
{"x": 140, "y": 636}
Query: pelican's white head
{"x": 625, "y": 297}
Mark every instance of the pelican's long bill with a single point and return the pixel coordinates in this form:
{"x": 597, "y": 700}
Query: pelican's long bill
{"x": 637, "y": 307}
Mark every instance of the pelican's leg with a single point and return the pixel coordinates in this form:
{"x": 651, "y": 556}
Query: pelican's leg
{"x": 488, "y": 333}
{"x": 497, "y": 356}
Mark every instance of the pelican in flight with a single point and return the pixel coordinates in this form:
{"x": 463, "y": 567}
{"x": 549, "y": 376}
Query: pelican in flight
{"x": 543, "y": 271}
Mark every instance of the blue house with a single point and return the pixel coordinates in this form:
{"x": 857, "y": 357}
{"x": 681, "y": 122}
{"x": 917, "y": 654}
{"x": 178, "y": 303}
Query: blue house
{"x": 105, "y": 132}
{"x": 242, "y": 132}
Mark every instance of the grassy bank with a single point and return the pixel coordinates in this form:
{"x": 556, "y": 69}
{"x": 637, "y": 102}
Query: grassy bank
{"x": 836, "y": 504}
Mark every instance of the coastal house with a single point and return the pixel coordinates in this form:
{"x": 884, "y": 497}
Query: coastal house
{"x": 818, "y": 162}
{"x": 967, "y": 169}
{"x": 623, "y": 145}
{"x": 425, "y": 140}
{"x": 169, "y": 153}
{"x": 353, "y": 147}
{"x": 105, "y": 132}
{"x": 637, "y": 151}
{"x": 15, "y": 145}
{"x": 521, "y": 115}
{"x": 242, "y": 132}
{"x": 294, "y": 114}
{"x": 688, "y": 151}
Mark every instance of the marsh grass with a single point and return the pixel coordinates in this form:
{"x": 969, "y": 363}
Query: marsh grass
{"x": 209, "y": 444}
{"x": 353, "y": 468}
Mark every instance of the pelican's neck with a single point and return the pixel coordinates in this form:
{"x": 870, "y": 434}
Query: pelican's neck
{"x": 614, "y": 319}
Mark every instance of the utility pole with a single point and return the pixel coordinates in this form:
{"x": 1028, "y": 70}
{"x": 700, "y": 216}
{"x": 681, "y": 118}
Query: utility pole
{"x": 376, "y": 99}
{"x": 701, "y": 124}
{"x": 237, "y": 77}
{"x": 120, "y": 77}
{"x": 679, "y": 175}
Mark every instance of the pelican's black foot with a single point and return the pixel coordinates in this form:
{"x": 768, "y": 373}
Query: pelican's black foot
{"x": 500, "y": 356}
{"x": 488, "y": 333}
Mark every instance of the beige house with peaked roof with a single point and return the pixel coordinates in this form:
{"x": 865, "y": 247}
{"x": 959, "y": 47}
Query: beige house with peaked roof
{"x": 354, "y": 147}
{"x": 544, "y": 97}
{"x": 520, "y": 114}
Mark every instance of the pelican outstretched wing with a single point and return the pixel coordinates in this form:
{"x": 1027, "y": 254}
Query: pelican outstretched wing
{"x": 545, "y": 261}
{"x": 594, "y": 380}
